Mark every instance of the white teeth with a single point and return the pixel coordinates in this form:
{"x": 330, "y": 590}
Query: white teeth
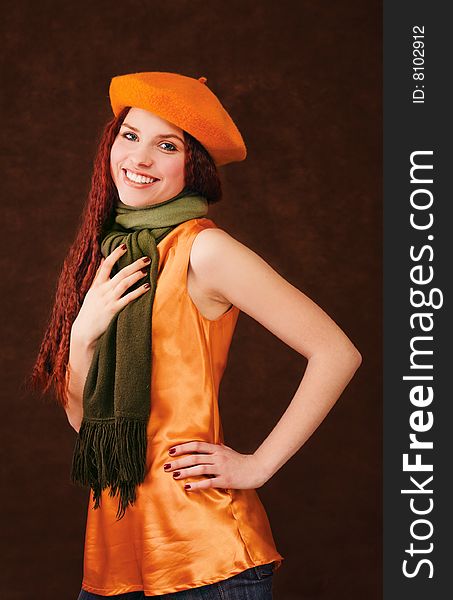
{"x": 139, "y": 178}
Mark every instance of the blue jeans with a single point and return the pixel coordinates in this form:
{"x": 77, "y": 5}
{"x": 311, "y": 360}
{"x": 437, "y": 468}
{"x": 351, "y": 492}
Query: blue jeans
{"x": 252, "y": 584}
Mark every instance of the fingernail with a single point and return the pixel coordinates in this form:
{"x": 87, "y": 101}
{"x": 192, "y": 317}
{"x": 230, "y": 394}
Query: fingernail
{"x": 123, "y": 246}
{"x": 176, "y": 474}
{"x": 167, "y": 466}
{"x": 187, "y": 486}
{"x": 146, "y": 259}
{"x": 172, "y": 451}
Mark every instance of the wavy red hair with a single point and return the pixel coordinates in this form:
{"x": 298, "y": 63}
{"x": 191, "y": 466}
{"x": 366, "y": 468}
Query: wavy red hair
{"x": 84, "y": 255}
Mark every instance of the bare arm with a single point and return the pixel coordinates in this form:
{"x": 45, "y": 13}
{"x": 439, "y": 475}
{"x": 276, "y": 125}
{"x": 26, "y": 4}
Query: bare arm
{"x": 229, "y": 270}
{"x": 102, "y": 302}
{"x": 325, "y": 378}
{"x": 80, "y": 356}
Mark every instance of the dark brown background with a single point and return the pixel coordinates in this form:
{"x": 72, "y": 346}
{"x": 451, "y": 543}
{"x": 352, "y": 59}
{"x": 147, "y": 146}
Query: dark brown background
{"x": 302, "y": 79}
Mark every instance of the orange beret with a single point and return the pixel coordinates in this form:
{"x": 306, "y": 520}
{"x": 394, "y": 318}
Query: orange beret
{"x": 186, "y": 102}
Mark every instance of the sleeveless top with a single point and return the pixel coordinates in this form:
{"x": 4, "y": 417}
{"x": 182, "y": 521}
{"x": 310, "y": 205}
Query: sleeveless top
{"x": 172, "y": 539}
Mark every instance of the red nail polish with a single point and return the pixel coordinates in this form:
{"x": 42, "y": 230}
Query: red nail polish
{"x": 167, "y": 466}
{"x": 123, "y": 246}
{"x": 172, "y": 451}
{"x": 176, "y": 474}
{"x": 187, "y": 486}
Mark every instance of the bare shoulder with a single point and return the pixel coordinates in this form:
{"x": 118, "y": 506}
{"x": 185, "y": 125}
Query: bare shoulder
{"x": 210, "y": 241}
{"x": 214, "y": 247}
{"x": 211, "y": 248}
{"x": 214, "y": 252}
{"x": 226, "y": 270}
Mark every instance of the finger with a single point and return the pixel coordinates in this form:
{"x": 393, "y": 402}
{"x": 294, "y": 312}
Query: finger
{"x": 204, "y": 484}
{"x": 140, "y": 263}
{"x": 124, "y": 284}
{"x": 98, "y": 270}
{"x": 195, "y": 446}
{"x": 205, "y": 470}
{"x": 109, "y": 261}
{"x": 131, "y": 296}
{"x": 100, "y": 264}
{"x": 190, "y": 461}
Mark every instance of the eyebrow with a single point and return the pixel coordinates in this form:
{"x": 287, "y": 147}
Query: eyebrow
{"x": 167, "y": 135}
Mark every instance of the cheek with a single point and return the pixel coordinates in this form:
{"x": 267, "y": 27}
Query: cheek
{"x": 176, "y": 170}
{"x": 113, "y": 156}
{"x": 116, "y": 154}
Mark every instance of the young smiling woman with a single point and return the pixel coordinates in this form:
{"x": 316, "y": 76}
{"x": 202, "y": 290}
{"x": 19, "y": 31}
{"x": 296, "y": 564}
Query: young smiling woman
{"x": 191, "y": 523}
{"x": 147, "y": 146}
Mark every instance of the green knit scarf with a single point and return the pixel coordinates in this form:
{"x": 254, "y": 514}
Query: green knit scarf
{"x": 111, "y": 445}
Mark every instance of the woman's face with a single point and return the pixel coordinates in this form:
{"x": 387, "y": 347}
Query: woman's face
{"x": 147, "y": 147}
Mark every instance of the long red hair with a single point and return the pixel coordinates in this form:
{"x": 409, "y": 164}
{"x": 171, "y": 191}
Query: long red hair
{"x": 84, "y": 255}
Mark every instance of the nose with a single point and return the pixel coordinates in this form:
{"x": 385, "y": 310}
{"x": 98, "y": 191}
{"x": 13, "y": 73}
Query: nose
{"x": 143, "y": 158}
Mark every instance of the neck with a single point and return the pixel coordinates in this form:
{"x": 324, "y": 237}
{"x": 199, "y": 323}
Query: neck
{"x": 183, "y": 193}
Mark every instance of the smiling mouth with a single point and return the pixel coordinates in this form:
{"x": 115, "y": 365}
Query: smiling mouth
{"x": 135, "y": 178}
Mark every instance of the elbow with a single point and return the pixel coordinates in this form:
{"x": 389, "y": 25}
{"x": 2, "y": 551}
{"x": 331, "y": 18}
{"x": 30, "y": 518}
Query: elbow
{"x": 75, "y": 425}
{"x": 349, "y": 356}
{"x": 355, "y": 358}
{"x": 358, "y": 361}
{"x": 344, "y": 356}
{"x": 74, "y": 411}
{"x": 74, "y": 420}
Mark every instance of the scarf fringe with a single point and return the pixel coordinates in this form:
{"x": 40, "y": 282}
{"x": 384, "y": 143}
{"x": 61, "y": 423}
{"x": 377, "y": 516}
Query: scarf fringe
{"x": 111, "y": 453}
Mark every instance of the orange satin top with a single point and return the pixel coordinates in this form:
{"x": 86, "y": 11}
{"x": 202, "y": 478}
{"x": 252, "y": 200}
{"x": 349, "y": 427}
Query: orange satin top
{"x": 171, "y": 539}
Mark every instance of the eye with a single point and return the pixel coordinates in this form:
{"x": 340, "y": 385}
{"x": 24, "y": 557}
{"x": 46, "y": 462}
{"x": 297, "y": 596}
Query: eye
{"x": 125, "y": 134}
{"x": 172, "y": 147}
